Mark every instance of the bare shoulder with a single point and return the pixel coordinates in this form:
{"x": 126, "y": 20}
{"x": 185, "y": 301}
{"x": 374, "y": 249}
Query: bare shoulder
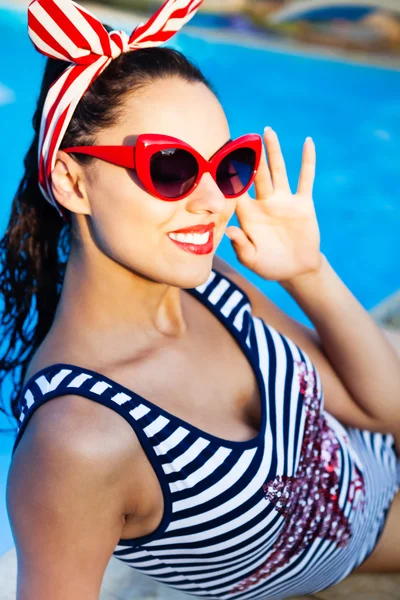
{"x": 261, "y": 305}
{"x": 67, "y": 497}
{"x": 74, "y": 440}
{"x": 264, "y": 308}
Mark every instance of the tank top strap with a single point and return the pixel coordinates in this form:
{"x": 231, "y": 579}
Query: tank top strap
{"x": 151, "y": 423}
{"x": 227, "y": 301}
{"x": 62, "y": 379}
{"x": 185, "y": 459}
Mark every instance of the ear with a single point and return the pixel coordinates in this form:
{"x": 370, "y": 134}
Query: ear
{"x": 69, "y": 184}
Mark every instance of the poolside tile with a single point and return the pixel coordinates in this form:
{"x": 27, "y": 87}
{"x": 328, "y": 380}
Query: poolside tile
{"x": 132, "y": 585}
{"x": 364, "y": 587}
{"x": 123, "y": 583}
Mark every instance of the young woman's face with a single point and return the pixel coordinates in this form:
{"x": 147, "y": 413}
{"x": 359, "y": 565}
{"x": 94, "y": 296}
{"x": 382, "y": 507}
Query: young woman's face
{"x": 130, "y": 225}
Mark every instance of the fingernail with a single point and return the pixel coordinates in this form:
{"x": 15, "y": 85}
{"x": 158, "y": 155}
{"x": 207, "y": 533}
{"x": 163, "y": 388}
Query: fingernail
{"x": 268, "y": 128}
{"x": 308, "y": 139}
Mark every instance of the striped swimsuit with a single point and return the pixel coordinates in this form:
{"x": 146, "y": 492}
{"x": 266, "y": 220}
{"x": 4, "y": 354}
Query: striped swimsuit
{"x": 290, "y": 512}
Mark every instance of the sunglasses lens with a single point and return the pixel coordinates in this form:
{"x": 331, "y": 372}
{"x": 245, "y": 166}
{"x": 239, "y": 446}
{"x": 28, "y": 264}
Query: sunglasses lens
{"x": 173, "y": 172}
{"x": 235, "y": 171}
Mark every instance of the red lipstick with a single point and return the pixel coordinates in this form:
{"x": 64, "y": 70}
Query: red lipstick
{"x": 206, "y": 248}
{"x": 196, "y": 229}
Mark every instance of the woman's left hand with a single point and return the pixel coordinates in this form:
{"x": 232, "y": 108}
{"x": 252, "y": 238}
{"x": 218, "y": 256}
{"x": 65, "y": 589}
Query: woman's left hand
{"x": 279, "y": 237}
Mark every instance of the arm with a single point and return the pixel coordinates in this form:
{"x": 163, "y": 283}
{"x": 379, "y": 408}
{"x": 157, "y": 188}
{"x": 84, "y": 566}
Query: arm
{"x": 337, "y": 397}
{"x": 363, "y": 358}
{"x": 279, "y": 240}
{"x": 66, "y": 499}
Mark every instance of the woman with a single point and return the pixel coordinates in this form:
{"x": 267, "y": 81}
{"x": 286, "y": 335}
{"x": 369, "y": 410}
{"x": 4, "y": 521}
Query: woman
{"x": 188, "y": 438}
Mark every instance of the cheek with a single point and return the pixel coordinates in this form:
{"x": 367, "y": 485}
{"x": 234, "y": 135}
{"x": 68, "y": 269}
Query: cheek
{"x": 127, "y": 221}
{"x": 230, "y": 208}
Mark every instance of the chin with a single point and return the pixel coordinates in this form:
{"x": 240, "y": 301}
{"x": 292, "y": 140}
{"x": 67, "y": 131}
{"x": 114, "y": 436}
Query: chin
{"x": 194, "y": 275}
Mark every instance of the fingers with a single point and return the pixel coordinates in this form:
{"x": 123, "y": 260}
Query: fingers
{"x": 276, "y": 161}
{"x": 263, "y": 181}
{"x": 244, "y": 249}
{"x": 307, "y": 173}
{"x": 272, "y": 174}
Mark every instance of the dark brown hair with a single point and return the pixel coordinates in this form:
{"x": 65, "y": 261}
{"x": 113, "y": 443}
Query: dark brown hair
{"x": 35, "y": 247}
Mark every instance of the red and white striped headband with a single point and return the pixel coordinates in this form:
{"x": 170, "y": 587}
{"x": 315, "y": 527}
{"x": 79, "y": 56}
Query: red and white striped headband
{"x": 64, "y": 30}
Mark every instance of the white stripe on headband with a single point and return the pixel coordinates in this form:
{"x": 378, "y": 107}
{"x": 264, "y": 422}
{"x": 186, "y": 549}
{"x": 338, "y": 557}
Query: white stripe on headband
{"x": 64, "y": 105}
{"x": 64, "y": 30}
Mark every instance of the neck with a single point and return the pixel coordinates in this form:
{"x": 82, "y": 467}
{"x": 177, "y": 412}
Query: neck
{"x": 116, "y": 311}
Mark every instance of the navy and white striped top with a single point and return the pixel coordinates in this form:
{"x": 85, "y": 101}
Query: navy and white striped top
{"x": 290, "y": 512}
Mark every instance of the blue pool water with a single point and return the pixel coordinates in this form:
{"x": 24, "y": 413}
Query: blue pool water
{"x": 352, "y": 112}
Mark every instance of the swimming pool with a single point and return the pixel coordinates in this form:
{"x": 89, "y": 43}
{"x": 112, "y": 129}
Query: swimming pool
{"x": 352, "y": 112}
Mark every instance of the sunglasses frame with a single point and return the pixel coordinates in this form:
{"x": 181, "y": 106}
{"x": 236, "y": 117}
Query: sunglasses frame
{"x": 138, "y": 158}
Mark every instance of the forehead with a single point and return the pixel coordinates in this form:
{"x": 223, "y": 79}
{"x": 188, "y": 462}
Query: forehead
{"x": 171, "y": 106}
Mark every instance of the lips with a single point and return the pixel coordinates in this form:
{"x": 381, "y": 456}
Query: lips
{"x": 196, "y": 229}
{"x": 206, "y": 248}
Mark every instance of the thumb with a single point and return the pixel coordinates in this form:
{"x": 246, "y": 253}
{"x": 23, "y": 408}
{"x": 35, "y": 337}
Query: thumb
{"x": 243, "y": 247}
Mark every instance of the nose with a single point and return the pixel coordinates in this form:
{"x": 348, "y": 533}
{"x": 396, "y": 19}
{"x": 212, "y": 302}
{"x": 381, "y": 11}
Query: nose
{"x": 207, "y": 197}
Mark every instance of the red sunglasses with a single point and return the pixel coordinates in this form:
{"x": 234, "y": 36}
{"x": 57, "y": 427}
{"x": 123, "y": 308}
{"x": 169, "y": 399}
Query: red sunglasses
{"x": 171, "y": 169}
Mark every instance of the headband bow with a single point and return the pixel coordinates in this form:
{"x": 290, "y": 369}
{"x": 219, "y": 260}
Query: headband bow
{"x": 64, "y": 30}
